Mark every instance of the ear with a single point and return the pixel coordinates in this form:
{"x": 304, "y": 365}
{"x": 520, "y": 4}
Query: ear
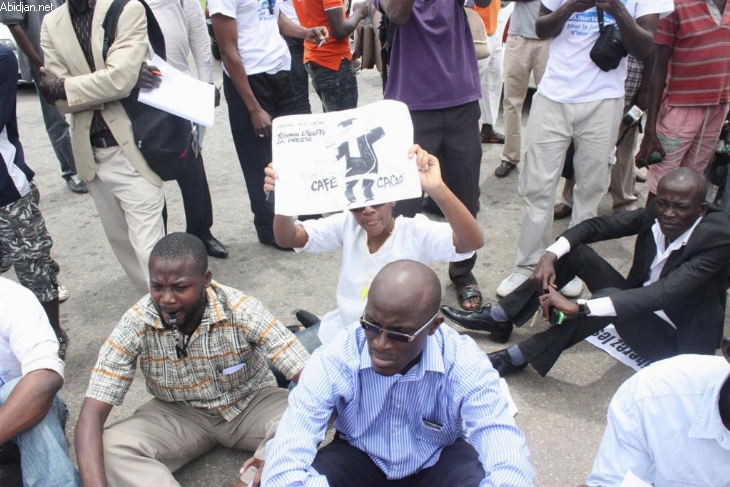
{"x": 725, "y": 347}
{"x": 208, "y": 277}
{"x": 703, "y": 208}
{"x": 436, "y": 323}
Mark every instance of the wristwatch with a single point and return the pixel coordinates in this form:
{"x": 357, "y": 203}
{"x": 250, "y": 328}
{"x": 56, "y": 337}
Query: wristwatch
{"x": 583, "y": 307}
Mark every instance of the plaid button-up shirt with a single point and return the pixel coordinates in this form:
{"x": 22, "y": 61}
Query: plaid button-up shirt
{"x": 235, "y": 329}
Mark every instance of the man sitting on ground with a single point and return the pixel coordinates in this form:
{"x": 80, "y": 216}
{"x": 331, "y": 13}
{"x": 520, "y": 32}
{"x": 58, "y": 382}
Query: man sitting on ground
{"x": 671, "y": 302}
{"x": 414, "y": 403}
{"x": 692, "y": 448}
{"x": 202, "y": 348}
{"x": 31, "y": 374}
{"x": 371, "y": 237}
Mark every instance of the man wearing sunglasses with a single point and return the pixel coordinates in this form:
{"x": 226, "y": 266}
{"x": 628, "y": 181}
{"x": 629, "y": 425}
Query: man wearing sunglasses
{"x": 413, "y": 402}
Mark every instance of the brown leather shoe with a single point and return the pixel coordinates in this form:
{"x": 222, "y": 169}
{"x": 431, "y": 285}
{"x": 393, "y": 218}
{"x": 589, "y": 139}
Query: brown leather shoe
{"x": 561, "y": 211}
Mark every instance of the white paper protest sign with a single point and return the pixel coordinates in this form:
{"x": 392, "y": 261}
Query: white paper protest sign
{"x": 343, "y": 160}
{"x": 610, "y": 342}
{"x": 181, "y": 95}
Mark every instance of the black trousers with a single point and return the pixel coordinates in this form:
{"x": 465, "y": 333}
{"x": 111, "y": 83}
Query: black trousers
{"x": 452, "y": 135}
{"x": 346, "y": 466}
{"x": 645, "y": 333}
{"x": 275, "y": 95}
{"x": 196, "y": 199}
{"x": 299, "y": 76}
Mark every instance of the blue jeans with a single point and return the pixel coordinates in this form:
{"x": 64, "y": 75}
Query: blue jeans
{"x": 336, "y": 89}
{"x": 43, "y": 454}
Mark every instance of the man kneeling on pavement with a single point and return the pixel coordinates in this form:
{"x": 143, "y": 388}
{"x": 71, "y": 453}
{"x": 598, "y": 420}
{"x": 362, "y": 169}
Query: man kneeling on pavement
{"x": 672, "y": 301}
{"x": 203, "y": 349}
{"x": 414, "y": 403}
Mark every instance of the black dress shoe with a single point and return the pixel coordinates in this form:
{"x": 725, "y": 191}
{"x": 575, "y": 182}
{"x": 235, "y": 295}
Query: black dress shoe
{"x": 502, "y": 363}
{"x": 480, "y": 320}
{"x": 214, "y": 247}
{"x": 306, "y": 318}
{"x": 504, "y": 169}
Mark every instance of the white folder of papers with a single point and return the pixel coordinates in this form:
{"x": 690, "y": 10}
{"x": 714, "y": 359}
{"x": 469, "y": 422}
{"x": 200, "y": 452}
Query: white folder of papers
{"x": 181, "y": 95}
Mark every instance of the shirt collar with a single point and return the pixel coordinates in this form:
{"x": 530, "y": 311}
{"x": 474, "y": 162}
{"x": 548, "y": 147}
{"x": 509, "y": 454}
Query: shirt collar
{"x": 432, "y": 359}
{"x": 680, "y": 241}
{"x": 708, "y": 423}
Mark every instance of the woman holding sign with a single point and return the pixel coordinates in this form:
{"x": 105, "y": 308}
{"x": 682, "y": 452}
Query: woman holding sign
{"x": 370, "y": 237}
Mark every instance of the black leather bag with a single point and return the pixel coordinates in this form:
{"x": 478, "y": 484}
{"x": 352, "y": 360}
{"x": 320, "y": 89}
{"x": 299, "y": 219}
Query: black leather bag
{"x": 608, "y": 50}
{"x": 167, "y": 142}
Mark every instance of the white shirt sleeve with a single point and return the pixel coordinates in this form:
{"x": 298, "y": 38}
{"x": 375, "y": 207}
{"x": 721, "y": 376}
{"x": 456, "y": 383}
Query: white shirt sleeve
{"x": 325, "y": 234}
{"x": 435, "y": 239}
{"x": 223, "y": 7}
{"x": 661, "y": 7}
{"x": 560, "y": 247}
{"x": 198, "y": 40}
{"x": 601, "y": 307}
{"x": 31, "y": 338}
{"x": 623, "y": 447}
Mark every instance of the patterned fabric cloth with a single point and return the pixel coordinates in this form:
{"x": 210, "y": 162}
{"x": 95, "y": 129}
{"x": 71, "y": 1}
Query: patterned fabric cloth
{"x": 634, "y": 75}
{"x": 81, "y": 21}
{"x": 24, "y": 237}
{"x": 226, "y": 362}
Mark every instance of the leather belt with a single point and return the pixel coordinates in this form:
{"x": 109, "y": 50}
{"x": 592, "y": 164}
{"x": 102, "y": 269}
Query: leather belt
{"x": 103, "y": 142}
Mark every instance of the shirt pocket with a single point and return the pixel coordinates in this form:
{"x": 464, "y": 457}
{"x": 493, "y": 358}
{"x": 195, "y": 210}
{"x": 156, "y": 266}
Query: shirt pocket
{"x": 441, "y": 437}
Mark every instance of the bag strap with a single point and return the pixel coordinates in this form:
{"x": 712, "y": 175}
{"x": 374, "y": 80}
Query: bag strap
{"x": 600, "y": 19}
{"x": 154, "y": 32}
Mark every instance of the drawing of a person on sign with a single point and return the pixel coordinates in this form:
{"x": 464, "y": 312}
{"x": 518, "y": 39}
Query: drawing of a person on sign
{"x": 361, "y": 161}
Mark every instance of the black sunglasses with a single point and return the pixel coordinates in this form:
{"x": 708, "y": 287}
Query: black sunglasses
{"x": 393, "y": 335}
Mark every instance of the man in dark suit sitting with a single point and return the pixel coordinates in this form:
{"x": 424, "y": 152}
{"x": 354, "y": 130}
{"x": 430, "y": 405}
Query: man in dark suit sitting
{"x": 672, "y": 302}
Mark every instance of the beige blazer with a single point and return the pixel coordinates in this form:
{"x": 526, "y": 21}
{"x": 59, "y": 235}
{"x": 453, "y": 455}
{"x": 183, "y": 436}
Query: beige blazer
{"x": 87, "y": 91}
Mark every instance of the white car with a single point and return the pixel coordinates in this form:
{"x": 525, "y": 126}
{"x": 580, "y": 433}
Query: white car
{"x": 7, "y": 39}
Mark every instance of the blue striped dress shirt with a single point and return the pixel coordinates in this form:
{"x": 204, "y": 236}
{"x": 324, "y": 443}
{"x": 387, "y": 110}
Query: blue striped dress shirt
{"x": 403, "y": 421}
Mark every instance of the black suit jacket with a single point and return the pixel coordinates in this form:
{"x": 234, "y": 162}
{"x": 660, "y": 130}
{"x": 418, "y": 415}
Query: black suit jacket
{"x": 692, "y": 287}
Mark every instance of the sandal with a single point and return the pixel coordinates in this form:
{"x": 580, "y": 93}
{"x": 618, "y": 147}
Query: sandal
{"x": 467, "y": 292}
{"x": 493, "y": 138}
{"x": 63, "y": 342}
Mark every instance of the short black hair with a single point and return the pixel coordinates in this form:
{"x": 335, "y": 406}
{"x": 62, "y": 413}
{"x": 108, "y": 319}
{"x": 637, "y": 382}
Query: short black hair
{"x": 179, "y": 246}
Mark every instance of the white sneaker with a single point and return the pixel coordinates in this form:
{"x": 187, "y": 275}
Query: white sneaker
{"x": 573, "y": 289}
{"x": 62, "y": 293}
{"x": 512, "y": 282}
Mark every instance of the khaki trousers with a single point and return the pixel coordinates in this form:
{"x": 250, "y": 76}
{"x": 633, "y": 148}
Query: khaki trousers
{"x": 130, "y": 209}
{"x": 593, "y": 127}
{"x": 160, "y": 438}
{"x": 522, "y": 56}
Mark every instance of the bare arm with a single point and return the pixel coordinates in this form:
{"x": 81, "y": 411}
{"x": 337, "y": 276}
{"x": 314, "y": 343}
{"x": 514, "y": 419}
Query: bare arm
{"x": 286, "y": 233}
{"x": 550, "y": 23}
{"x": 227, "y": 34}
{"x": 88, "y": 442}
{"x": 637, "y": 35}
{"x": 657, "y": 83}
{"x": 467, "y": 234}
{"x": 25, "y": 45}
{"x": 398, "y": 11}
{"x": 342, "y": 27}
{"x": 29, "y": 402}
{"x": 290, "y": 29}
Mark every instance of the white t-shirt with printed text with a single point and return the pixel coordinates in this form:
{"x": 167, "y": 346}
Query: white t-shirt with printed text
{"x": 571, "y": 76}
{"x": 260, "y": 45}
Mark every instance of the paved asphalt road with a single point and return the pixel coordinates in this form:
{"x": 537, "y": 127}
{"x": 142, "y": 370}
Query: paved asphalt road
{"x": 562, "y": 415}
